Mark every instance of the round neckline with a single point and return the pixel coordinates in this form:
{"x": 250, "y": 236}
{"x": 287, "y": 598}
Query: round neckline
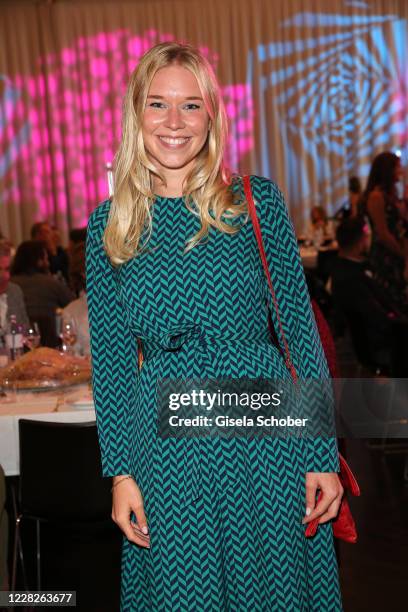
{"x": 159, "y": 197}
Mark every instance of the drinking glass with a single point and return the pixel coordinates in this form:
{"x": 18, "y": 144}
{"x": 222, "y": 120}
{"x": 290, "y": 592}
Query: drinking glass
{"x": 8, "y": 391}
{"x": 68, "y": 335}
{"x": 32, "y": 336}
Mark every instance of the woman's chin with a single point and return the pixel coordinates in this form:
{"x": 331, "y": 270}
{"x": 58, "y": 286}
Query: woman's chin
{"x": 174, "y": 162}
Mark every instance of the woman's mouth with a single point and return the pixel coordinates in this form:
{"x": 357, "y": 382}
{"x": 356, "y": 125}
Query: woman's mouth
{"x": 174, "y": 143}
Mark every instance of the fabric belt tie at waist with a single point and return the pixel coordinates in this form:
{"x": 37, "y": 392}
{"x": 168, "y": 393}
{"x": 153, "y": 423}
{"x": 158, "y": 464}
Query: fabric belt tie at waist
{"x": 194, "y": 337}
{"x": 175, "y": 339}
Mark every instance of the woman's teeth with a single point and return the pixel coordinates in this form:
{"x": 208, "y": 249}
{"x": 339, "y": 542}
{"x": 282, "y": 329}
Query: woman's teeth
{"x": 174, "y": 141}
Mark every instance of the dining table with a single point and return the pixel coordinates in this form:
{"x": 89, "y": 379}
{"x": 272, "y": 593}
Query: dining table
{"x": 71, "y": 404}
{"x": 308, "y": 255}
{"x": 313, "y": 257}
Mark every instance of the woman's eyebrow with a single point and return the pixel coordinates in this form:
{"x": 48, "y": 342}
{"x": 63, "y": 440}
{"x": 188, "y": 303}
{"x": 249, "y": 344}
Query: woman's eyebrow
{"x": 163, "y": 97}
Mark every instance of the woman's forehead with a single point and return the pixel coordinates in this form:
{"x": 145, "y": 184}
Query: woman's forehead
{"x": 173, "y": 81}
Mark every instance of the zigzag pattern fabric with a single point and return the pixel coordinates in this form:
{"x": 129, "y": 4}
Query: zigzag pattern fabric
{"x": 224, "y": 515}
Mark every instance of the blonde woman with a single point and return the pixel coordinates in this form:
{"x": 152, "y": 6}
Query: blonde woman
{"x": 172, "y": 263}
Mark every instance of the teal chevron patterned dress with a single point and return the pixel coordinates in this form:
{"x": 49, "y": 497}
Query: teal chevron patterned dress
{"x": 224, "y": 515}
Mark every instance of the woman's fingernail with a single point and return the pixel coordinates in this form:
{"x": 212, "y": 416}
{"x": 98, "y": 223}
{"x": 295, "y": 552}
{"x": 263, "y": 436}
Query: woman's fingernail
{"x": 308, "y": 511}
{"x": 144, "y": 530}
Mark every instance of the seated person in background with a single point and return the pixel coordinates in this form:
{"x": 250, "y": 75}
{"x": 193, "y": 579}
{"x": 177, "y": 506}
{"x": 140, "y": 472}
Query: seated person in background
{"x": 77, "y": 311}
{"x": 43, "y": 294}
{"x": 76, "y": 236}
{"x": 57, "y": 256}
{"x": 11, "y": 296}
{"x": 355, "y": 291}
{"x": 321, "y": 230}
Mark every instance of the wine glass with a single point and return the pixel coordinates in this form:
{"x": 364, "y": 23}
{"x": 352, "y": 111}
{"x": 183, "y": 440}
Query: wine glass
{"x": 8, "y": 391}
{"x": 68, "y": 335}
{"x": 32, "y": 336}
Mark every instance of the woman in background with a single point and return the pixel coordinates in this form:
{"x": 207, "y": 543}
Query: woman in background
{"x": 321, "y": 230}
{"x": 354, "y": 195}
{"x": 389, "y": 242}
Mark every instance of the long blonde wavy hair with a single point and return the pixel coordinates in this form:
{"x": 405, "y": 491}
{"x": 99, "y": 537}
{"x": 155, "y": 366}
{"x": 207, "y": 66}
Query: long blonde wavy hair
{"x": 207, "y": 188}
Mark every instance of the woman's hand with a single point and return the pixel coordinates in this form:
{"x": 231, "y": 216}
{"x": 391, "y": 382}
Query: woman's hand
{"x": 329, "y": 504}
{"x": 126, "y": 497}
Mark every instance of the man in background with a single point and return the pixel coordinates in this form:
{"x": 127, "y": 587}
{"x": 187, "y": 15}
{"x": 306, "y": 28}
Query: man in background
{"x": 11, "y": 295}
{"x": 382, "y": 329}
{"x": 57, "y": 256}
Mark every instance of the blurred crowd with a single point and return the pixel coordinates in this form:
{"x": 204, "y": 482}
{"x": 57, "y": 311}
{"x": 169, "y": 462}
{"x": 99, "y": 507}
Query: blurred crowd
{"x": 42, "y": 288}
{"x": 359, "y": 284}
{"x": 361, "y": 278}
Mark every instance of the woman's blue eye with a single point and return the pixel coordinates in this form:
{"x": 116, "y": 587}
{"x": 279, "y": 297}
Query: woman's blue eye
{"x": 190, "y": 106}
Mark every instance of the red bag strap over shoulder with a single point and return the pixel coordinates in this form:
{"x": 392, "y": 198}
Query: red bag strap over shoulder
{"x": 258, "y": 234}
{"x": 343, "y": 526}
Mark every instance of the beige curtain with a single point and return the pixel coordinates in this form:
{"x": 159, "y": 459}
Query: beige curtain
{"x": 314, "y": 90}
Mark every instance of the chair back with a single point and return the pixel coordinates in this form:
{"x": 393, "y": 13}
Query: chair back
{"x": 60, "y": 472}
{"x": 362, "y": 341}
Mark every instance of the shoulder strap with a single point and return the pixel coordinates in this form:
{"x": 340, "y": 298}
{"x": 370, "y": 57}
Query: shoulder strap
{"x": 258, "y": 234}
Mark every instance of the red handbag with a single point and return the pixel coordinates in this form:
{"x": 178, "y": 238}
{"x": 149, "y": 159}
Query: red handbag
{"x": 344, "y": 526}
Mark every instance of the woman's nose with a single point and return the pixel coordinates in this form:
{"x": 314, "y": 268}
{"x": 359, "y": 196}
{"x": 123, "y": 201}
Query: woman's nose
{"x": 174, "y": 119}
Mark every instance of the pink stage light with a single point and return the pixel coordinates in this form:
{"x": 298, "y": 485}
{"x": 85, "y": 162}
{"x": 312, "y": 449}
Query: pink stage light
{"x": 76, "y": 109}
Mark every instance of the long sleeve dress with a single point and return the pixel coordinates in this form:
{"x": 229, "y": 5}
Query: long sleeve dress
{"x": 224, "y": 515}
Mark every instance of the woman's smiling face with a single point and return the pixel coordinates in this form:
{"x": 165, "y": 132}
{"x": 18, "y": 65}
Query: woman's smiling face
{"x": 175, "y": 121}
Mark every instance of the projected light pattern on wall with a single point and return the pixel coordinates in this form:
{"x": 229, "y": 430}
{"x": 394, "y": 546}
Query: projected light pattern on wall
{"x": 10, "y": 105}
{"x": 335, "y": 94}
{"x": 61, "y": 129}
{"x": 339, "y": 103}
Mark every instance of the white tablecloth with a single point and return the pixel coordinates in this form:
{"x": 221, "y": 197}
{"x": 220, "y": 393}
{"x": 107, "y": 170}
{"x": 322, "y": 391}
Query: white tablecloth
{"x": 47, "y": 406}
{"x": 309, "y": 256}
